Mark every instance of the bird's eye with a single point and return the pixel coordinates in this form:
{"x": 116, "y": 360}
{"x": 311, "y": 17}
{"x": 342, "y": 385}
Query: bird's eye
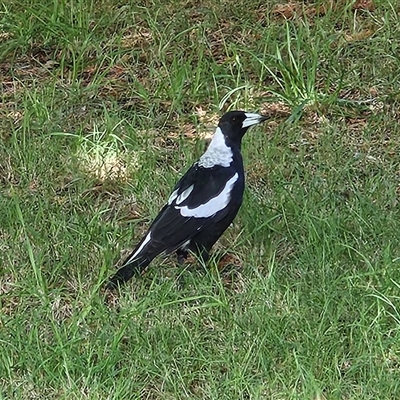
{"x": 234, "y": 119}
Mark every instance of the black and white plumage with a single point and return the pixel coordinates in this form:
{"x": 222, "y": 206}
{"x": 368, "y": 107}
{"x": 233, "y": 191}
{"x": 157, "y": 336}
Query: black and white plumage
{"x": 203, "y": 203}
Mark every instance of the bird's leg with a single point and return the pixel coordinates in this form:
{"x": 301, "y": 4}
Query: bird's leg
{"x": 203, "y": 256}
{"x": 181, "y": 256}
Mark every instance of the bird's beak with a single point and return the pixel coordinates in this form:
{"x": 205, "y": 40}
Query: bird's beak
{"x": 253, "y": 119}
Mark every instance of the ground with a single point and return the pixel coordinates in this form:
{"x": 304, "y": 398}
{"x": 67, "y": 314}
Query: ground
{"x": 104, "y": 105}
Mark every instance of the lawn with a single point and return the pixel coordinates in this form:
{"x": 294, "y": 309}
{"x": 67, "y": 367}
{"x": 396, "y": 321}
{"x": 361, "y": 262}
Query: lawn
{"x": 104, "y": 105}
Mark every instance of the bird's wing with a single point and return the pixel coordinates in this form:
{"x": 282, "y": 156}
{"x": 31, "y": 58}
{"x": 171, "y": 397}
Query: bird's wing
{"x": 200, "y": 197}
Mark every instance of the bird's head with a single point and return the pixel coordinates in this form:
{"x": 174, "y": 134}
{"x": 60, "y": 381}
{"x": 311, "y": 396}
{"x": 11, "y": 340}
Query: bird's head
{"x": 234, "y": 124}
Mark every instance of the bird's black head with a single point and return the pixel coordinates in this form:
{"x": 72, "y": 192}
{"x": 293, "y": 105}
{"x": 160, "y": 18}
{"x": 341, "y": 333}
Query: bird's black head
{"x": 234, "y": 124}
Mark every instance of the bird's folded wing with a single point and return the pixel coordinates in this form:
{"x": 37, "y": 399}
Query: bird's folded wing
{"x": 199, "y": 199}
{"x": 199, "y": 185}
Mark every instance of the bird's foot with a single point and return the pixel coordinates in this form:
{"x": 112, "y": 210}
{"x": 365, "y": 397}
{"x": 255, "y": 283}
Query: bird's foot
{"x": 181, "y": 256}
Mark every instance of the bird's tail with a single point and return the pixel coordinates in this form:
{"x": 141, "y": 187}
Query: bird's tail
{"x": 126, "y": 272}
{"x": 136, "y": 262}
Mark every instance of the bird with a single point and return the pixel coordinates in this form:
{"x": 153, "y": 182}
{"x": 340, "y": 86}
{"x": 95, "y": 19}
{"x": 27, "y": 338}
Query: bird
{"x": 203, "y": 203}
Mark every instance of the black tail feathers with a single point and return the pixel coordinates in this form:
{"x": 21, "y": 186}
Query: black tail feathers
{"x": 127, "y": 271}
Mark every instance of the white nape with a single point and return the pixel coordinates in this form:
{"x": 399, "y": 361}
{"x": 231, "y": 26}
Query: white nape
{"x": 212, "y": 206}
{"x": 217, "y": 153}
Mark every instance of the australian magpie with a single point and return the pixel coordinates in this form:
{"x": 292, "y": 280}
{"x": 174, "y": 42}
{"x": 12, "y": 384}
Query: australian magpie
{"x": 203, "y": 203}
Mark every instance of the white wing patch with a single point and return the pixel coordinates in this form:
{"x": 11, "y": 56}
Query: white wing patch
{"x": 145, "y": 241}
{"x": 218, "y": 153}
{"x": 212, "y": 206}
{"x": 184, "y": 195}
{"x": 173, "y": 196}
{"x": 185, "y": 245}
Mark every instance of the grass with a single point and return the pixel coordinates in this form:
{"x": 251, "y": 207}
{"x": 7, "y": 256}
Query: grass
{"x": 104, "y": 105}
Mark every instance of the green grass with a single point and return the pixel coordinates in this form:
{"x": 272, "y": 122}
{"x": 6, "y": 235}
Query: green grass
{"x": 102, "y": 107}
